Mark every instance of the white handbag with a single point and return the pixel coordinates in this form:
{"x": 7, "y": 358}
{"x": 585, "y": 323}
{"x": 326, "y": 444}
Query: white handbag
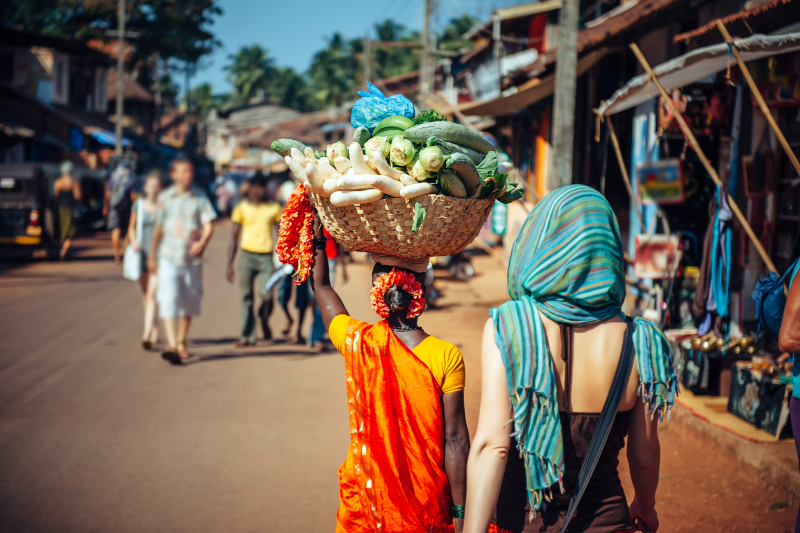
{"x": 132, "y": 260}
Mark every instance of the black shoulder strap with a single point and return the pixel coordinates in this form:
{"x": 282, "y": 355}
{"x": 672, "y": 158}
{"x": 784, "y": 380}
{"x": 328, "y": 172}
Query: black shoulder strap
{"x": 605, "y": 422}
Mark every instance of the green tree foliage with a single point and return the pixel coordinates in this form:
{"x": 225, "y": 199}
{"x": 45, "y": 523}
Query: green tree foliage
{"x": 451, "y": 38}
{"x": 394, "y": 61}
{"x": 334, "y": 70}
{"x": 249, "y": 72}
{"x": 176, "y": 30}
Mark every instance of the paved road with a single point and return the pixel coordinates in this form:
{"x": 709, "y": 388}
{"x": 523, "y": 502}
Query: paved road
{"x": 98, "y": 435}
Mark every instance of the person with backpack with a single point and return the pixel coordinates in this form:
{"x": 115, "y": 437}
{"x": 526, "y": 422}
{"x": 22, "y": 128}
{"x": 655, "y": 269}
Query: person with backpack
{"x": 789, "y": 341}
{"x": 575, "y": 376}
{"x": 117, "y": 205}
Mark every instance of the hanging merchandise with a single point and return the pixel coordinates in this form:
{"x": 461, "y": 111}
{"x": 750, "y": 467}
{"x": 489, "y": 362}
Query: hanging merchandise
{"x": 721, "y": 256}
{"x": 660, "y": 182}
{"x": 499, "y": 218}
{"x": 656, "y": 256}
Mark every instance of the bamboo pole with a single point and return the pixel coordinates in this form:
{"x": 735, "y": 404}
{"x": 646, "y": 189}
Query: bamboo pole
{"x": 703, "y": 159}
{"x": 757, "y": 95}
{"x": 624, "y": 172}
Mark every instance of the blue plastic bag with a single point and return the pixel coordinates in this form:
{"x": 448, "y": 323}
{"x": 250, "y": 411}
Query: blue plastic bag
{"x": 373, "y": 107}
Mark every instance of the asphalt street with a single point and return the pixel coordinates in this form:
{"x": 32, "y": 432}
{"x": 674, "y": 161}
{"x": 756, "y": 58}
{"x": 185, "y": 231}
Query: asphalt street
{"x": 98, "y": 435}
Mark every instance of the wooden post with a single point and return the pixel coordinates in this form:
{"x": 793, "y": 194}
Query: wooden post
{"x": 703, "y": 159}
{"x": 624, "y": 172}
{"x": 757, "y": 95}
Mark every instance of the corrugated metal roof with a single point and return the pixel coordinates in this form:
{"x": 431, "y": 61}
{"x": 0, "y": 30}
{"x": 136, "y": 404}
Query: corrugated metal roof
{"x": 741, "y": 15}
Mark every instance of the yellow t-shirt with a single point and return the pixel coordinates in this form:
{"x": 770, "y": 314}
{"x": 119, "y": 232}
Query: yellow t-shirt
{"x": 257, "y": 221}
{"x": 442, "y": 358}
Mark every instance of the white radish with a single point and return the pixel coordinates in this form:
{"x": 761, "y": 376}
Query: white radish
{"x": 384, "y": 168}
{"x": 296, "y": 168}
{"x": 354, "y": 183}
{"x": 326, "y": 169}
{"x": 342, "y": 164}
{"x": 505, "y": 168}
{"x": 357, "y": 160}
{"x": 341, "y": 198}
{"x": 331, "y": 186}
{"x": 350, "y": 172}
{"x": 418, "y": 189}
{"x": 298, "y": 156}
{"x": 315, "y": 179}
{"x": 405, "y": 179}
{"x": 387, "y": 185}
{"x": 312, "y": 158}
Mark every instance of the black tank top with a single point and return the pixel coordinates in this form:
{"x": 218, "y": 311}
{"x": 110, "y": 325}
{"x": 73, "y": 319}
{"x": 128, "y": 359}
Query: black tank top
{"x": 66, "y": 200}
{"x": 603, "y": 508}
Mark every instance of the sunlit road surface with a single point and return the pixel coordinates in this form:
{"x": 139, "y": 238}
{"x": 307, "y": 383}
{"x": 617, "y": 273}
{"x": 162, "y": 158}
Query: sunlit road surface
{"x": 98, "y": 435}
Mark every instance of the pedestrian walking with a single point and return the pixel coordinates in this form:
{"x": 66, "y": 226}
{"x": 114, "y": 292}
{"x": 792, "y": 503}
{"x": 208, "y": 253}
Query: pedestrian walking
{"x": 140, "y": 237}
{"x": 302, "y": 299}
{"x": 183, "y": 229}
{"x": 117, "y": 207}
{"x": 67, "y": 192}
{"x": 406, "y": 465}
{"x": 335, "y": 254}
{"x": 789, "y": 341}
{"x": 254, "y": 234}
{"x": 549, "y": 357}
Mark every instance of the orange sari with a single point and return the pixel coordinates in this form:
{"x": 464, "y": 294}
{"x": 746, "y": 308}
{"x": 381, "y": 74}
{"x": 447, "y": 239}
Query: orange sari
{"x": 393, "y": 480}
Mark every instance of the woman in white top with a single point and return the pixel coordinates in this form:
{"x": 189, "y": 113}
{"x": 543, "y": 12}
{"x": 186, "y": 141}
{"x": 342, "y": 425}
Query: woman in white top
{"x": 146, "y": 208}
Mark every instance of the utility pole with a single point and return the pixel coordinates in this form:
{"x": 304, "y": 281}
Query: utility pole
{"x": 120, "y": 74}
{"x": 367, "y": 68}
{"x": 564, "y": 105}
{"x": 425, "y": 70}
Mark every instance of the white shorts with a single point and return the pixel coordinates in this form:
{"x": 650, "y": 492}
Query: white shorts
{"x": 180, "y": 290}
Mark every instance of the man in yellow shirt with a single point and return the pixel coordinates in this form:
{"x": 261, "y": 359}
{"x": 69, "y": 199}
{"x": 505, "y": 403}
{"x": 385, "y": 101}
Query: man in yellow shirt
{"x": 254, "y": 220}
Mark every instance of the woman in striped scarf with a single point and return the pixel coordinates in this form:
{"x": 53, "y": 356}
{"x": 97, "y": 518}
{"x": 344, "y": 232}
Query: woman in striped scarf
{"x": 549, "y": 356}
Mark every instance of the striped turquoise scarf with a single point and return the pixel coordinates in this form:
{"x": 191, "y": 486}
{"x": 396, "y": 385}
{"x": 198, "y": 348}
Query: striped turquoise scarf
{"x": 567, "y": 264}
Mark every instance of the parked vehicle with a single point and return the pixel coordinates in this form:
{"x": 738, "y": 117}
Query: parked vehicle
{"x": 26, "y": 217}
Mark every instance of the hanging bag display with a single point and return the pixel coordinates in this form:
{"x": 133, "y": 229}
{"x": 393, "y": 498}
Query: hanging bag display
{"x": 132, "y": 260}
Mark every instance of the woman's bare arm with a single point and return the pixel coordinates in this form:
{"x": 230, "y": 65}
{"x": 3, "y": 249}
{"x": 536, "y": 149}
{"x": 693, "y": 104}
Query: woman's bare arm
{"x": 487, "y": 458}
{"x": 456, "y": 450}
{"x": 132, "y": 228}
{"x": 330, "y": 305}
{"x": 789, "y": 338}
{"x": 644, "y": 457}
{"x": 76, "y": 190}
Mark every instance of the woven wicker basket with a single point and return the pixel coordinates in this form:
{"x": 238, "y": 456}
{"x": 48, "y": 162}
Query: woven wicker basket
{"x": 385, "y": 226}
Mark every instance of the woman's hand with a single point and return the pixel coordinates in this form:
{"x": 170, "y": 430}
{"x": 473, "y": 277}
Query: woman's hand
{"x": 319, "y": 232}
{"x": 136, "y": 246}
{"x": 645, "y": 520}
{"x": 151, "y": 264}
{"x": 458, "y": 525}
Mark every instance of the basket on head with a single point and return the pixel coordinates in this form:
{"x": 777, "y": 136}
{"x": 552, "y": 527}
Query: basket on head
{"x": 385, "y": 226}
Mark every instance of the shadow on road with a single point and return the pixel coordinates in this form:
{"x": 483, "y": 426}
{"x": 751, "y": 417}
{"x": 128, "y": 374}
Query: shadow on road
{"x": 263, "y": 353}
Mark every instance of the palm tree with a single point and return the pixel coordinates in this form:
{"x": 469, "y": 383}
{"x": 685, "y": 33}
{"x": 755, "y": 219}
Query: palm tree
{"x": 333, "y": 71}
{"x": 395, "y": 61}
{"x": 451, "y": 38}
{"x": 249, "y": 70}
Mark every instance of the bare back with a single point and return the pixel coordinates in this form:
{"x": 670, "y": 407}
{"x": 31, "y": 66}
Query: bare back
{"x": 596, "y": 352}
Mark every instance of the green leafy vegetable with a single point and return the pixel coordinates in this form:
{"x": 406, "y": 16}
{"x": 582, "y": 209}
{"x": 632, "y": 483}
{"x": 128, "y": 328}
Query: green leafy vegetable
{"x": 319, "y": 154}
{"x": 429, "y": 115}
{"x": 488, "y": 166}
{"x": 419, "y": 216}
{"x": 511, "y": 196}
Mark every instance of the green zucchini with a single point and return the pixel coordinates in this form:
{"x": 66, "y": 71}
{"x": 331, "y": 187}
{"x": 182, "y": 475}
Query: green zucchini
{"x": 450, "y": 132}
{"x": 449, "y": 149}
{"x": 451, "y": 185}
{"x": 284, "y": 146}
{"x": 466, "y": 170}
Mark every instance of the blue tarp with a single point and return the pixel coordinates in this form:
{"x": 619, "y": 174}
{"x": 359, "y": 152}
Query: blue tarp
{"x": 106, "y": 137}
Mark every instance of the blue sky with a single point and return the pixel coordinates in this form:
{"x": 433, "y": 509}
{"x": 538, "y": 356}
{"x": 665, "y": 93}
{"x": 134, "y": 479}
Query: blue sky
{"x": 293, "y": 30}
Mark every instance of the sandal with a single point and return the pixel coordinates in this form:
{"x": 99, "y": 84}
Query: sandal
{"x": 243, "y": 344}
{"x": 147, "y": 345}
{"x": 172, "y": 357}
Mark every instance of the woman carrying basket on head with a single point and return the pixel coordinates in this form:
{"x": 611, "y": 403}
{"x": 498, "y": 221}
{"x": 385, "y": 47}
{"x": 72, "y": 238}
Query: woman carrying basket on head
{"x": 406, "y": 464}
{"x": 549, "y": 358}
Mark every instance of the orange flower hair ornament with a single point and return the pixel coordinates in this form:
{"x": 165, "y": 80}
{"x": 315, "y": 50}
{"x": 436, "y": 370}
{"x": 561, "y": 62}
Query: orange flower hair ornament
{"x": 296, "y": 236}
{"x": 403, "y": 280}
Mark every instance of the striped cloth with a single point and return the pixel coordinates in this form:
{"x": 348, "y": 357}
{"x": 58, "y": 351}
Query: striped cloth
{"x": 567, "y": 264}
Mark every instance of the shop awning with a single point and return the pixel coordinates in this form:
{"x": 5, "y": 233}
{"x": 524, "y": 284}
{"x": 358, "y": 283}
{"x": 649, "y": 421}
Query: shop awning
{"x": 695, "y": 66}
{"x": 529, "y": 92}
{"x": 107, "y": 137}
